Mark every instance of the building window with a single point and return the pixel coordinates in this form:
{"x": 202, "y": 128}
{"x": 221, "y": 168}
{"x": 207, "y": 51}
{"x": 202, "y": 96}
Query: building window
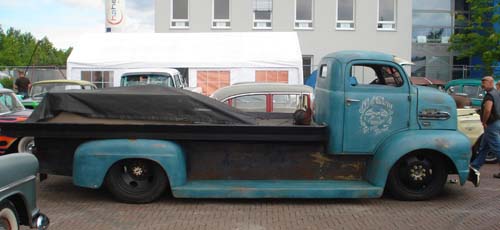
{"x": 221, "y": 18}
{"x": 431, "y": 27}
{"x": 307, "y": 61}
{"x": 102, "y": 79}
{"x": 262, "y": 14}
{"x": 345, "y": 14}
{"x": 179, "y": 13}
{"x": 210, "y": 81}
{"x": 386, "y": 15}
{"x": 304, "y": 14}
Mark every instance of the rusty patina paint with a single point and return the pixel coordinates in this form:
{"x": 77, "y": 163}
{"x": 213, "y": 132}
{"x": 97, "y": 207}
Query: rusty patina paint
{"x": 320, "y": 159}
{"x": 269, "y": 161}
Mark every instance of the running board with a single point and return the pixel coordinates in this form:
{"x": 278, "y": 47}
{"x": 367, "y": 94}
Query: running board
{"x": 277, "y": 189}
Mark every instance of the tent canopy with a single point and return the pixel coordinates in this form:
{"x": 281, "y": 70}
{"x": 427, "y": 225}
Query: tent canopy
{"x": 187, "y": 50}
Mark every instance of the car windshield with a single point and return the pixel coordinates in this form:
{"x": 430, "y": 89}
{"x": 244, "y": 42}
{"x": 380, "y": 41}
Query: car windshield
{"x": 10, "y": 103}
{"x": 39, "y": 90}
{"x": 147, "y": 79}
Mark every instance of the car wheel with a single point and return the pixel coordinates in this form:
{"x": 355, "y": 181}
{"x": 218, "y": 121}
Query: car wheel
{"x": 26, "y": 145}
{"x": 417, "y": 176}
{"x": 8, "y": 216}
{"x": 491, "y": 157}
{"x": 136, "y": 181}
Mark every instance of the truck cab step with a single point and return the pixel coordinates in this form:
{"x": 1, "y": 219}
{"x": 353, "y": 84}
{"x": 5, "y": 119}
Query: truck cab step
{"x": 277, "y": 189}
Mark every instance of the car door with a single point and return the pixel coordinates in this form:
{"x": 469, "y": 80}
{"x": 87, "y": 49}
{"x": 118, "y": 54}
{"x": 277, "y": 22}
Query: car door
{"x": 376, "y": 105}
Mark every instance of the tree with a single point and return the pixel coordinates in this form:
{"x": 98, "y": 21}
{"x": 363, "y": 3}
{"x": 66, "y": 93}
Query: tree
{"x": 478, "y": 37}
{"x": 17, "y": 49}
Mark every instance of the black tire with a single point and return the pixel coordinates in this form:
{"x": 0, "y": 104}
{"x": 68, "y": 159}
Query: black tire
{"x": 491, "y": 157}
{"x": 417, "y": 176}
{"x": 9, "y": 220}
{"x": 136, "y": 181}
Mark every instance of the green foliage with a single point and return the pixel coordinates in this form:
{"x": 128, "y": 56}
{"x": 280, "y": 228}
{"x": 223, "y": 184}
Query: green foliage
{"x": 7, "y": 82}
{"x": 16, "y": 49}
{"x": 479, "y": 38}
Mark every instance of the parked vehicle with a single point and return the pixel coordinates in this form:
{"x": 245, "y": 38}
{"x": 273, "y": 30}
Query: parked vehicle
{"x": 12, "y": 110}
{"x": 164, "y": 77}
{"x": 425, "y": 81}
{"x": 470, "y": 87}
{"x": 39, "y": 89}
{"x": 264, "y": 97}
{"x": 373, "y": 131}
{"x": 18, "y": 192}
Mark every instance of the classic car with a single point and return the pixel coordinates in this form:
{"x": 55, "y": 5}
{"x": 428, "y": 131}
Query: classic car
{"x": 11, "y": 110}
{"x": 469, "y": 87}
{"x": 264, "y": 97}
{"x": 18, "y": 192}
{"x": 39, "y": 89}
{"x": 425, "y": 81}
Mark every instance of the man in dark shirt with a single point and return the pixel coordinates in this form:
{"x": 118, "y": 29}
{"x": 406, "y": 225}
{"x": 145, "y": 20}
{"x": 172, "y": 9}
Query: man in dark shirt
{"x": 490, "y": 118}
{"x": 22, "y": 84}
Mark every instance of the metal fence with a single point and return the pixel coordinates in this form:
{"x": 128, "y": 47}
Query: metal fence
{"x": 34, "y": 73}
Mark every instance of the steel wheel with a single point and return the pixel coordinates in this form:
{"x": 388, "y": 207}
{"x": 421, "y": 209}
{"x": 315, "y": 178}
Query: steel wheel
{"x": 417, "y": 177}
{"x": 136, "y": 181}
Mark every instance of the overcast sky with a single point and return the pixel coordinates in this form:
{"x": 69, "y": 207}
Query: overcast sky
{"x": 64, "y": 21}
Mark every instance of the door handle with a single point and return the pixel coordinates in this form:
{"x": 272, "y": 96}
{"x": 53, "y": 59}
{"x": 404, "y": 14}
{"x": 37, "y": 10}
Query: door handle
{"x": 350, "y": 100}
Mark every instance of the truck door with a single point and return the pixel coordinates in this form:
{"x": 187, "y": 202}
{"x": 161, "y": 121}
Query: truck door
{"x": 376, "y": 105}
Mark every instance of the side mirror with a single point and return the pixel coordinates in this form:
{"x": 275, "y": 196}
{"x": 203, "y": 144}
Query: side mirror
{"x": 451, "y": 89}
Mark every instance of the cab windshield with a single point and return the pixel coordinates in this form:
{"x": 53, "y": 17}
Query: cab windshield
{"x": 38, "y": 91}
{"x": 147, "y": 79}
{"x": 10, "y": 103}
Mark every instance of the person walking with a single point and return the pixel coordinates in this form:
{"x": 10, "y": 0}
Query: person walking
{"x": 490, "y": 119}
{"x": 22, "y": 84}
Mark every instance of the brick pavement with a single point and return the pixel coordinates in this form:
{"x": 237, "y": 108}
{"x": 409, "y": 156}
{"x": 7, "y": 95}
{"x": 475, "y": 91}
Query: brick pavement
{"x": 71, "y": 207}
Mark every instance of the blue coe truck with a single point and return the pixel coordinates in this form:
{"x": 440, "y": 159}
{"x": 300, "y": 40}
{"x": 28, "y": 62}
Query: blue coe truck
{"x": 372, "y": 131}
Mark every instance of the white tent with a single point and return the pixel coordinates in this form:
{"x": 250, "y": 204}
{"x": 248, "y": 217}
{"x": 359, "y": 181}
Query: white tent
{"x": 247, "y": 57}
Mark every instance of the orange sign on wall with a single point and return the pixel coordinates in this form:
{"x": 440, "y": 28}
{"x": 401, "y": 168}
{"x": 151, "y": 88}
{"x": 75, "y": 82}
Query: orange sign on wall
{"x": 209, "y": 81}
{"x": 271, "y": 76}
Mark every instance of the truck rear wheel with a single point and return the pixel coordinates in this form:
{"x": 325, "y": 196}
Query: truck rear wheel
{"x": 417, "y": 176}
{"x": 136, "y": 181}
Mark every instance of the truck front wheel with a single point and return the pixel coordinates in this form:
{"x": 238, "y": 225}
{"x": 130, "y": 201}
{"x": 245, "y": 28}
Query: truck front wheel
{"x": 136, "y": 181}
{"x": 417, "y": 176}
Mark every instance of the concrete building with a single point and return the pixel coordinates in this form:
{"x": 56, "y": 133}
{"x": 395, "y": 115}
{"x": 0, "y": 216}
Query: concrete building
{"x": 323, "y": 26}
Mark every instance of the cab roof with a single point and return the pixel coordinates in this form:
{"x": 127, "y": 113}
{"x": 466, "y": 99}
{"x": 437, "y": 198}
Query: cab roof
{"x": 350, "y": 55}
{"x": 77, "y": 82}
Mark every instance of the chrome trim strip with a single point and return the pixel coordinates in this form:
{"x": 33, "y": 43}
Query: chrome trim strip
{"x": 16, "y": 183}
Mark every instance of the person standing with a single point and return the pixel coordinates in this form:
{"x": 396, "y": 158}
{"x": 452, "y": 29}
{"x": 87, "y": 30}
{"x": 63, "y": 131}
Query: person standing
{"x": 22, "y": 84}
{"x": 490, "y": 119}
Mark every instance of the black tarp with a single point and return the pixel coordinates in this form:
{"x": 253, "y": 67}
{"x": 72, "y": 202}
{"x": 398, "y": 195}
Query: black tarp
{"x": 148, "y": 103}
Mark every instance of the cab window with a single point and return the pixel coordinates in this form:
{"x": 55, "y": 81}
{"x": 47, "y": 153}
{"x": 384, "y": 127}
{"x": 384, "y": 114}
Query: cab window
{"x": 370, "y": 74}
{"x": 250, "y": 103}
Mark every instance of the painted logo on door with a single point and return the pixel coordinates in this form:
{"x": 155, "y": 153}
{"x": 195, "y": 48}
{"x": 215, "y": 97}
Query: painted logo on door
{"x": 375, "y": 115}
